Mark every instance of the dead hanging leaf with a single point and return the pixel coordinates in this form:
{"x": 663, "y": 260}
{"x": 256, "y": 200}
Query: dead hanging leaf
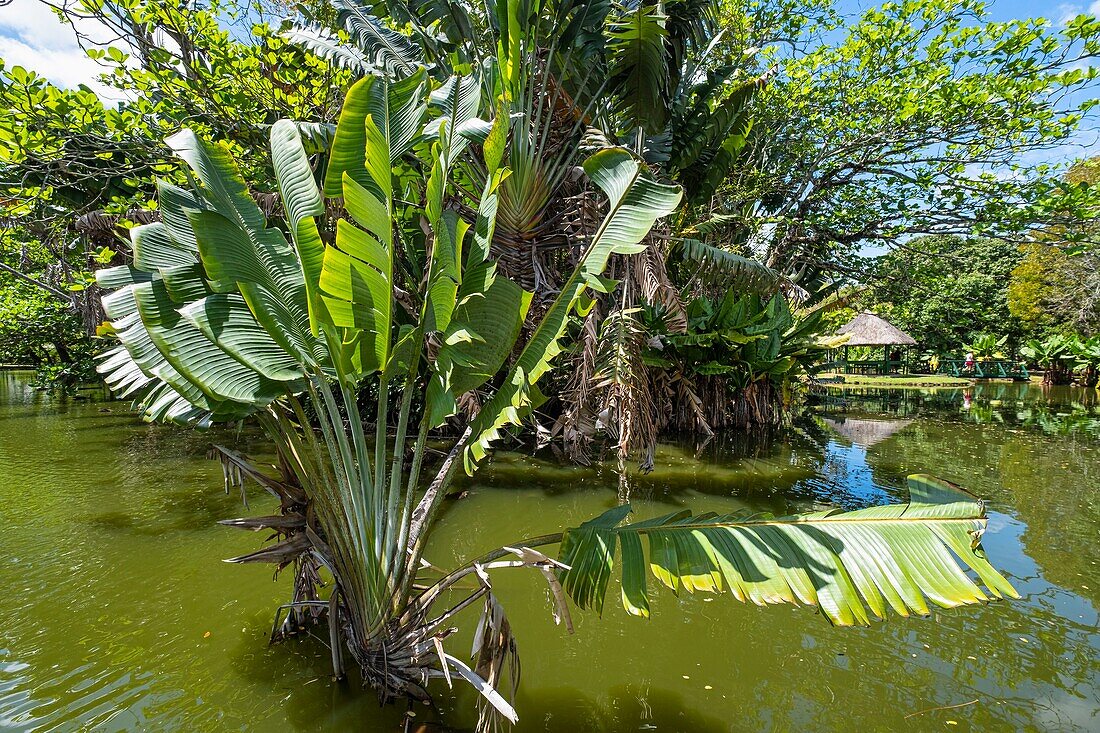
{"x": 548, "y": 567}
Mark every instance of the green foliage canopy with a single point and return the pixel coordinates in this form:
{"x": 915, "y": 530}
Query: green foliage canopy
{"x": 919, "y": 117}
{"x": 945, "y": 290}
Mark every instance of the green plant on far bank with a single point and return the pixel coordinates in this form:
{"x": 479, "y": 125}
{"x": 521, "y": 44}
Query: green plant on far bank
{"x": 41, "y": 331}
{"x": 738, "y": 361}
{"x": 949, "y": 293}
{"x": 986, "y": 346}
{"x": 380, "y": 317}
{"x": 1052, "y": 355}
{"x": 1086, "y": 359}
{"x": 1065, "y": 357}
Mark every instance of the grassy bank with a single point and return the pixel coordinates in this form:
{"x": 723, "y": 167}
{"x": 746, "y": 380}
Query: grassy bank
{"x": 896, "y": 380}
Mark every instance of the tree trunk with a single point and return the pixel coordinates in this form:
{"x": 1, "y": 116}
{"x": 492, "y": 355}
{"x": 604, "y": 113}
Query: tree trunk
{"x": 62, "y": 350}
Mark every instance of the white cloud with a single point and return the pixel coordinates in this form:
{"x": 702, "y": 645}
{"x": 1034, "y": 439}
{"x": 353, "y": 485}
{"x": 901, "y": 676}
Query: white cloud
{"x": 33, "y": 37}
{"x": 1068, "y": 11}
{"x": 1064, "y": 13}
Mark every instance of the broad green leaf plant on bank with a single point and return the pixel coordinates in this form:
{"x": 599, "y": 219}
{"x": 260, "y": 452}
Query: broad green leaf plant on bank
{"x": 378, "y": 318}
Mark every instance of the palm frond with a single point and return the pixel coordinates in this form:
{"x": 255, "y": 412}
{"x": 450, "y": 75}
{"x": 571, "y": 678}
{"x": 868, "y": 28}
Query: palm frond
{"x": 372, "y": 46}
{"x": 852, "y": 565}
{"x": 316, "y": 39}
{"x": 639, "y": 75}
{"x": 382, "y": 46}
{"x": 732, "y": 271}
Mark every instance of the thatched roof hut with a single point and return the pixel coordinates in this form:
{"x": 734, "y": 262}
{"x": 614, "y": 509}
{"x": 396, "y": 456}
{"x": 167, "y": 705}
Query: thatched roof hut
{"x": 865, "y": 432}
{"x": 867, "y": 329}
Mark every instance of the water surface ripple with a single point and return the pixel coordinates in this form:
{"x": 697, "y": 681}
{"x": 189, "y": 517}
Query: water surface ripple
{"x": 119, "y": 615}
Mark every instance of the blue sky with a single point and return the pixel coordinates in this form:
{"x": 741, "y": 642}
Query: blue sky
{"x": 32, "y": 37}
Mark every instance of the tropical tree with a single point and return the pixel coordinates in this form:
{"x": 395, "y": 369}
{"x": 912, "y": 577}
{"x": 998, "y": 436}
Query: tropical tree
{"x": 946, "y": 291}
{"x": 642, "y": 76}
{"x": 1053, "y": 354}
{"x": 77, "y": 167}
{"x": 42, "y": 331}
{"x": 920, "y": 117}
{"x": 381, "y": 301}
{"x": 1056, "y": 286}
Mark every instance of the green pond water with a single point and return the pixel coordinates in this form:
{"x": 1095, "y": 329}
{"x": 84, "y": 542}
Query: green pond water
{"x": 118, "y": 614}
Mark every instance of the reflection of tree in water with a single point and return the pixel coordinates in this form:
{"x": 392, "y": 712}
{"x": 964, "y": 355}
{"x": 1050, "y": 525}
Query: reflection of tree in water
{"x": 786, "y": 669}
{"x": 1033, "y": 453}
{"x": 1051, "y": 410}
{"x": 897, "y": 402}
{"x": 630, "y": 708}
{"x": 761, "y": 466}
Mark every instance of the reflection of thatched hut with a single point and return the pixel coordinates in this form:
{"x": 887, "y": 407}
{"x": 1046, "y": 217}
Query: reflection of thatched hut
{"x": 865, "y": 432}
{"x": 867, "y": 329}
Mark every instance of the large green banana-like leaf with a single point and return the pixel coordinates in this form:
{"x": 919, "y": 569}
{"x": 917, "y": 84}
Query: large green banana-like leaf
{"x": 218, "y": 375}
{"x": 493, "y": 152}
{"x": 457, "y": 101}
{"x": 378, "y": 124}
{"x": 482, "y": 325}
{"x": 137, "y": 368}
{"x": 241, "y": 253}
{"x": 357, "y": 280}
{"x": 636, "y": 202}
{"x": 852, "y": 565}
{"x": 444, "y": 268}
{"x": 480, "y": 337}
{"x": 229, "y": 383}
{"x": 224, "y": 318}
{"x": 175, "y": 203}
{"x": 212, "y": 314}
{"x": 154, "y": 250}
{"x": 302, "y": 202}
